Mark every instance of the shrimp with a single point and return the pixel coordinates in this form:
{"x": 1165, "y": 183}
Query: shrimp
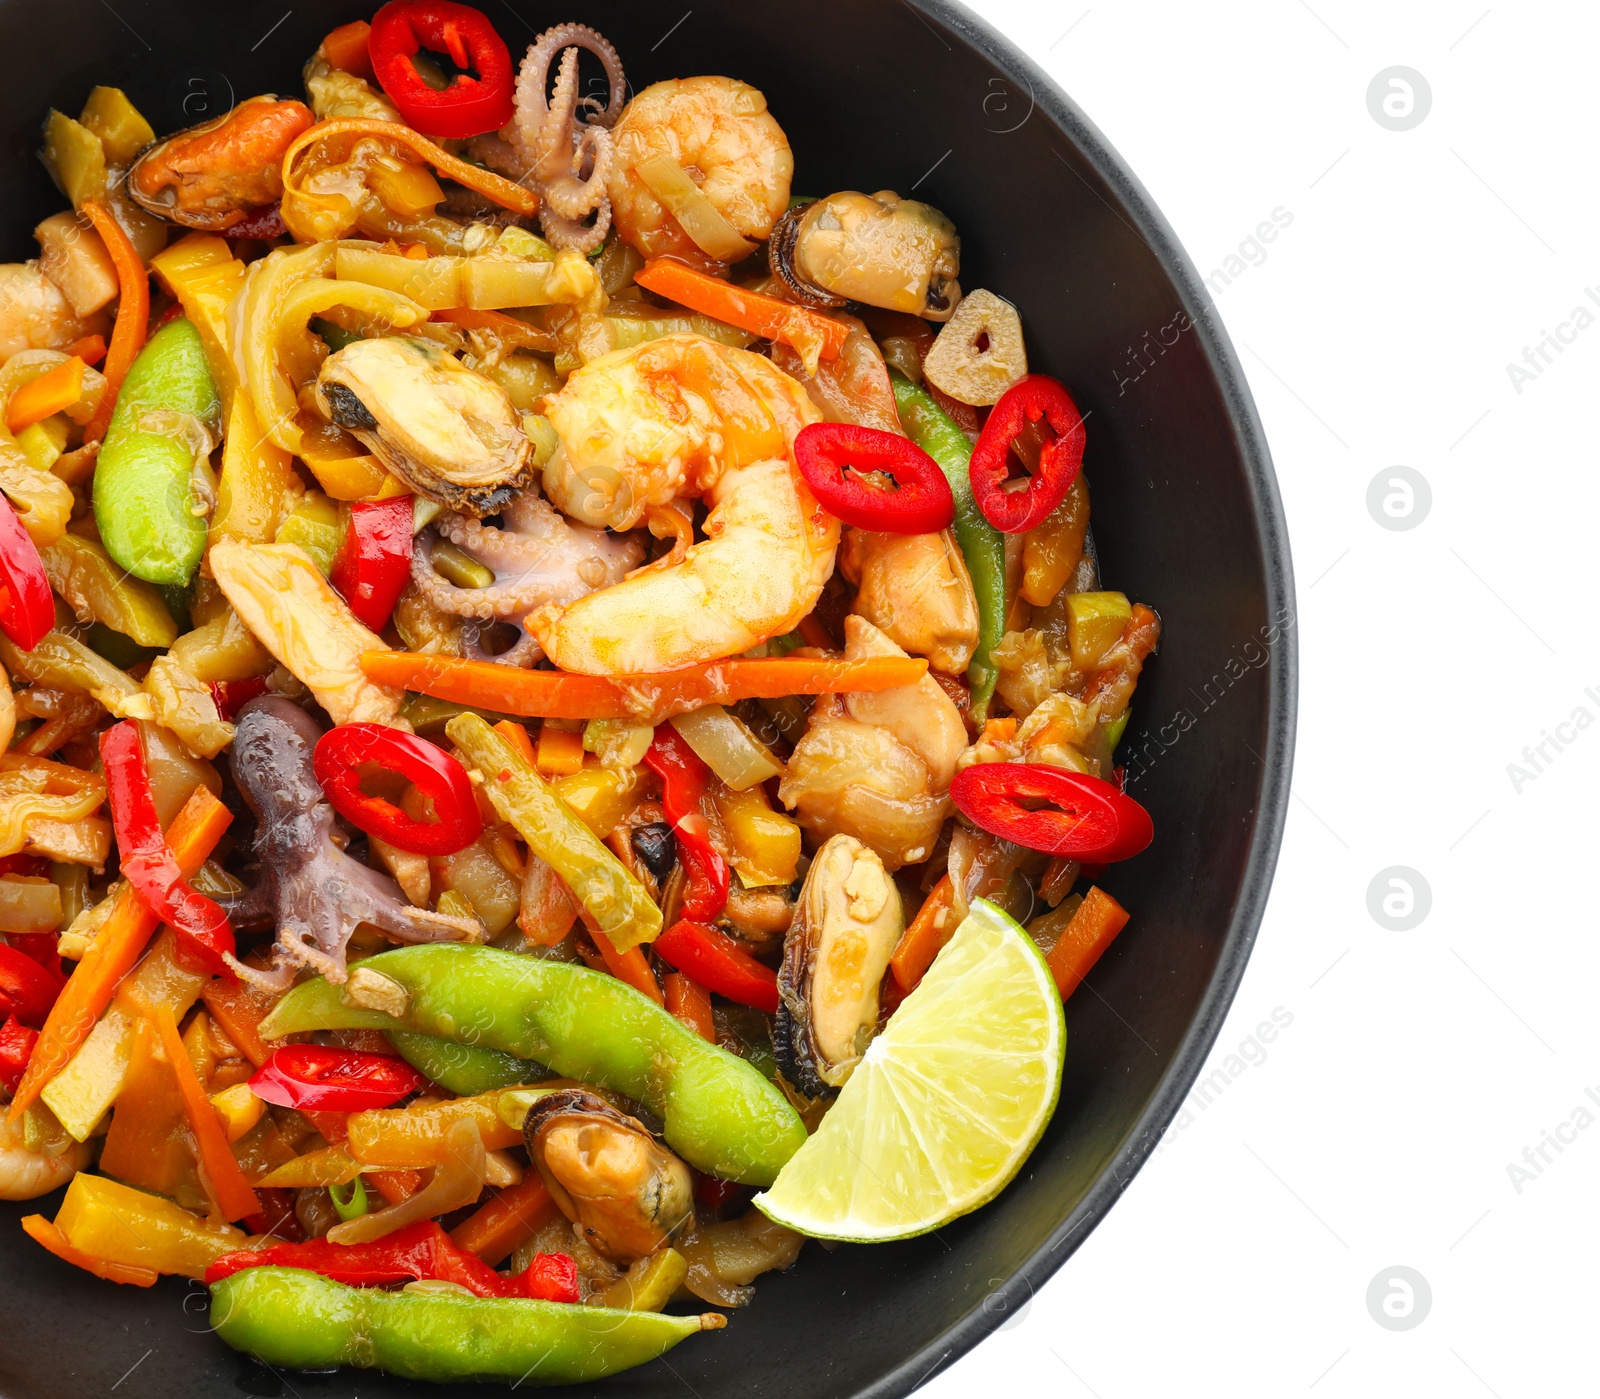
{"x": 720, "y": 132}
{"x": 683, "y": 417}
{"x": 35, "y": 315}
{"x": 27, "y": 1174}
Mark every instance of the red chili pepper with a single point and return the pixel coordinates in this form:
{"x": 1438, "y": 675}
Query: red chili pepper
{"x": 264, "y": 222}
{"x": 35, "y": 865}
{"x": 683, "y": 785}
{"x": 27, "y": 990}
{"x": 719, "y": 964}
{"x": 230, "y": 696}
{"x": 475, "y": 101}
{"x": 417, "y": 1252}
{"x": 336, "y": 762}
{"x": 717, "y": 1194}
{"x": 1089, "y": 819}
{"x": 16, "y": 1048}
{"x": 1031, "y": 398}
{"x": 333, "y": 1080}
{"x": 27, "y": 611}
{"x": 147, "y": 861}
{"x": 374, "y": 562}
{"x": 920, "y": 503}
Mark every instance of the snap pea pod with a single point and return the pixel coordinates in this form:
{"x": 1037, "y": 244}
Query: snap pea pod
{"x": 718, "y": 1112}
{"x": 982, "y": 546}
{"x": 465, "y": 1069}
{"x": 144, "y": 499}
{"x": 300, "y": 1320}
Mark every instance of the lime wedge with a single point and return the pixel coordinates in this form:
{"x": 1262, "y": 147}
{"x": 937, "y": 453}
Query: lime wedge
{"x": 947, "y": 1103}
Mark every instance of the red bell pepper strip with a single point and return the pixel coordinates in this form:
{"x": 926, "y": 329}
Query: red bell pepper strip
{"x": 920, "y": 503}
{"x": 719, "y": 964}
{"x": 718, "y": 1195}
{"x": 148, "y": 863}
{"x": 337, "y": 761}
{"x": 1089, "y": 819}
{"x": 420, "y": 1251}
{"x": 264, "y": 222}
{"x": 27, "y": 989}
{"x": 230, "y": 696}
{"x": 16, "y": 1048}
{"x": 683, "y": 785}
{"x": 374, "y": 563}
{"x": 333, "y": 1080}
{"x": 1026, "y": 402}
{"x": 27, "y": 611}
{"x": 478, "y": 99}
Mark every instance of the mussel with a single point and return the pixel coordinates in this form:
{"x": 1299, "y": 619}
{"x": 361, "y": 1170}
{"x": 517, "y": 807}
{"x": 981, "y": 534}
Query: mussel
{"x": 447, "y": 431}
{"x": 212, "y": 175}
{"x": 608, "y": 1174}
{"x": 878, "y": 249}
{"x": 846, "y": 924}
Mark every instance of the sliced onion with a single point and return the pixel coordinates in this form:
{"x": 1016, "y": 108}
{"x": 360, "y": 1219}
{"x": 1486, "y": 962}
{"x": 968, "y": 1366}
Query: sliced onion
{"x": 727, "y": 747}
{"x": 696, "y": 215}
{"x": 29, "y": 905}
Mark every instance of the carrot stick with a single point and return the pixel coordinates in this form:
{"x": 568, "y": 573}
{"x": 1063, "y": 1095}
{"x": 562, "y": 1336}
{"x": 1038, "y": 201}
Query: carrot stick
{"x": 345, "y": 48}
{"x": 506, "y": 1222}
{"x": 815, "y": 634}
{"x": 691, "y": 1003}
{"x": 557, "y": 694}
{"x": 560, "y": 752}
{"x": 1089, "y": 932}
{"x": 193, "y": 835}
{"x": 52, "y": 391}
{"x": 42, "y": 1231}
{"x": 133, "y": 312}
{"x": 630, "y": 966}
{"x": 925, "y": 938}
{"x": 239, "y": 1008}
{"x": 519, "y": 738}
{"x": 754, "y": 311}
{"x": 91, "y": 349}
{"x": 226, "y": 1180}
{"x": 395, "y": 1186}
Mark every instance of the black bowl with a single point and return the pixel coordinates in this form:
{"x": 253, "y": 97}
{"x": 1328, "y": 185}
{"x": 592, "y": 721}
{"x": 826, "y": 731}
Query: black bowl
{"x": 913, "y": 95}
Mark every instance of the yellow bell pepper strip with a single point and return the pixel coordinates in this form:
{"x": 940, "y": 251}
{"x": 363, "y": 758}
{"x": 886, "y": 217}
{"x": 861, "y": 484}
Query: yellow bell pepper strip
{"x": 148, "y": 1141}
{"x": 202, "y": 272}
{"x": 193, "y": 835}
{"x": 118, "y": 1224}
{"x": 91, "y": 583}
{"x": 332, "y": 1165}
{"x": 45, "y": 1233}
{"x": 133, "y": 312}
{"x": 238, "y": 1109}
{"x": 415, "y": 1137}
{"x": 555, "y": 694}
{"x": 610, "y": 899}
{"x": 1098, "y": 920}
{"x": 497, "y": 1229}
{"x": 257, "y": 486}
{"x": 222, "y": 1176}
{"x": 766, "y": 316}
{"x": 52, "y": 392}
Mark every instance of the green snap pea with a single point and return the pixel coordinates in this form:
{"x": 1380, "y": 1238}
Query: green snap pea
{"x": 982, "y": 546}
{"x": 300, "y": 1320}
{"x": 465, "y": 1069}
{"x": 718, "y": 1112}
{"x": 144, "y": 499}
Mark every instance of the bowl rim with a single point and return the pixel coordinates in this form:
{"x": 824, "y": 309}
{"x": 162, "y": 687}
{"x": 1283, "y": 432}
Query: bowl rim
{"x": 965, "y": 27}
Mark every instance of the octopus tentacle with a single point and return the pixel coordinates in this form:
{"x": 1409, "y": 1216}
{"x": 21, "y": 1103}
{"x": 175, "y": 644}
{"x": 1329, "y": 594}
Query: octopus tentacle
{"x": 574, "y": 233}
{"x": 570, "y": 195}
{"x": 524, "y": 652}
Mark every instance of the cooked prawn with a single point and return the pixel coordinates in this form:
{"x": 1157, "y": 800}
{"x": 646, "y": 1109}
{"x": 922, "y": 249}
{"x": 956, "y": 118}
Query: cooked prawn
{"x": 720, "y": 132}
{"x": 684, "y": 417}
{"x": 26, "y": 1174}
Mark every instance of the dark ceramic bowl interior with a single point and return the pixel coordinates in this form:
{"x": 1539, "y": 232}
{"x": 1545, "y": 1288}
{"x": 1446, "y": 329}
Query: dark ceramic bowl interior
{"x": 915, "y": 96}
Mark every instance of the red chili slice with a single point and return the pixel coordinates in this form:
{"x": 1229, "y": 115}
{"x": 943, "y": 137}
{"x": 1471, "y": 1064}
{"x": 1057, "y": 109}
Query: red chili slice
{"x": 26, "y": 609}
{"x": 1008, "y": 506}
{"x": 333, "y": 1080}
{"x": 1088, "y": 818}
{"x": 374, "y": 562}
{"x": 477, "y": 100}
{"x": 921, "y": 502}
{"x": 684, "y": 776}
{"x": 340, "y": 753}
{"x": 27, "y": 989}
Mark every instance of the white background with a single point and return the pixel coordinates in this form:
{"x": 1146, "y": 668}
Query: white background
{"x": 1379, "y": 1127}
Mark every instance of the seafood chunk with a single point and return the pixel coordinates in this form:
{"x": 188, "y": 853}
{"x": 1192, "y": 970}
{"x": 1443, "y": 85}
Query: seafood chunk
{"x": 34, "y": 315}
{"x": 915, "y": 588}
{"x": 848, "y": 922}
{"x": 446, "y": 430}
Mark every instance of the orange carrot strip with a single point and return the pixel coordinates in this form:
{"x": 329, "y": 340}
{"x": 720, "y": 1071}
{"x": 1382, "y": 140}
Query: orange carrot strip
{"x": 691, "y": 1003}
{"x": 518, "y": 735}
{"x": 133, "y": 312}
{"x": 815, "y": 633}
{"x": 59, "y": 388}
{"x": 560, "y": 752}
{"x": 754, "y": 311}
{"x": 239, "y": 1008}
{"x": 557, "y": 694}
{"x": 345, "y": 48}
{"x": 226, "y": 1180}
{"x": 395, "y": 1186}
{"x": 1088, "y": 933}
{"x": 193, "y": 835}
{"x": 42, "y": 1231}
{"x": 630, "y": 966}
{"x": 925, "y": 938}
{"x": 508, "y": 1221}
{"x": 91, "y": 349}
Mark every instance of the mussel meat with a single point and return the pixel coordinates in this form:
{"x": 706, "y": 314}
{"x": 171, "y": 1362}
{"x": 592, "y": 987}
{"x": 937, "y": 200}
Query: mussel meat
{"x": 447, "y": 431}
{"x": 627, "y": 1193}
{"x": 878, "y": 249}
{"x": 846, "y": 924}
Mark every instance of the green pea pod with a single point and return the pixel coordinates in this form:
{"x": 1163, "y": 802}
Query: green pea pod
{"x": 465, "y": 1069}
{"x": 300, "y": 1320}
{"x": 612, "y": 899}
{"x": 718, "y": 1112}
{"x": 144, "y": 499}
{"x": 982, "y": 545}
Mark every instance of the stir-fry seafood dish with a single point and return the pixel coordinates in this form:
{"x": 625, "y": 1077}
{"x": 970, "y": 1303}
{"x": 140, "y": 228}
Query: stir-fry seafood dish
{"x": 558, "y": 711}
